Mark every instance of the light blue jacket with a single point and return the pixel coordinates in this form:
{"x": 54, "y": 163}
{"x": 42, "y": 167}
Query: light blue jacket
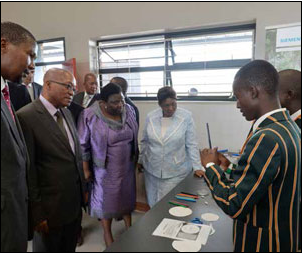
{"x": 174, "y": 154}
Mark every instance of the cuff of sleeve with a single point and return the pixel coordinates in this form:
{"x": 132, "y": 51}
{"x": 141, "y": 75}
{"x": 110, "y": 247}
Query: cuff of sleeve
{"x": 209, "y": 164}
{"x": 86, "y": 157}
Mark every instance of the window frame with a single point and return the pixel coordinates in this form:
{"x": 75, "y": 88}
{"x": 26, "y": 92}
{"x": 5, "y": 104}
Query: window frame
{"x": 209, "y": 65}
{"x": 38, "y": 64}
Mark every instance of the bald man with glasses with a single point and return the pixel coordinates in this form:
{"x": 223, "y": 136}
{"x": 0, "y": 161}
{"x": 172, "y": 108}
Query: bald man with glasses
{"x": 56, "y": 179}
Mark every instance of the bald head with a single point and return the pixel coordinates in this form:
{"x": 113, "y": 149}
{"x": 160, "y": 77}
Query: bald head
{"x": 121, "y": 82}
{"x": 56, "y": 75}
{"x": 290, "y": 86}
{"x": 58, "y": 85}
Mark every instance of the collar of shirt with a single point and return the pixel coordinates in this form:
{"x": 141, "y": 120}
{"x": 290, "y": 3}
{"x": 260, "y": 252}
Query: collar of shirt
{"x": 88, "y": 95}
{"x": 3, "y": 83}
{"x": 49, "y": 106}
{"x": 29, "y": 85}
{"x": 262, "y": 118}
{"x": 295, "y": 115}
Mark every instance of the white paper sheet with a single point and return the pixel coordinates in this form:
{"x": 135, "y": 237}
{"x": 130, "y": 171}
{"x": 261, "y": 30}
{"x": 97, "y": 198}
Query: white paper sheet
{"x": 172, "y": 229}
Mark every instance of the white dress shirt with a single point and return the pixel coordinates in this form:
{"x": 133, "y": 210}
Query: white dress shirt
{"x": 262, "y": 118}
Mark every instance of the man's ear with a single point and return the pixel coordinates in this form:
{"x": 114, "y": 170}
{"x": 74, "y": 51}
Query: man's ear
{"x": 4, "y": 44}
{"x": 290, "y": 94}
{"x": 254, "y": 91}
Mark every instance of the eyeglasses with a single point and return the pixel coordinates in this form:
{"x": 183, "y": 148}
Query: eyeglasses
{"x": 68, "y": 86}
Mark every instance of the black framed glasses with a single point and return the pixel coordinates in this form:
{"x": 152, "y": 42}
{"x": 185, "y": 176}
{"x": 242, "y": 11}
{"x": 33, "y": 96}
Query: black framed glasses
{"x": 68, "y": 86}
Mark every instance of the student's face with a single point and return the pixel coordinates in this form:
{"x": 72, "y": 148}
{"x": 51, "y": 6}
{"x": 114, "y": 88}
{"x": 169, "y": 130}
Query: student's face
{"x": 169, "y": 107}
{"x": 91, "y": 85}
{"x": 61, "y": 95}
{"x": 16, "y": 59}
{"x": 245, "y": 102}
{"x": 115, "y": 104}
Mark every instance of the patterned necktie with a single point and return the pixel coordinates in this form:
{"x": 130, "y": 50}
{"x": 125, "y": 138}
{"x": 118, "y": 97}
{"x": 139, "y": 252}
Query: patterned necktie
{"x": 59, "y": 116}
{"x": 5, "y": 93}
{"x": 85, "y": 100}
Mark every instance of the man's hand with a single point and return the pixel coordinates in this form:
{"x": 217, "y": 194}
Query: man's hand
{"x": 209, "y": 155}
{"x": 140, "y": 167}
{"x": 199, "y": 173}
{"x": 224, "y": 162}
{"x": 42, "y": 227}
{"x": 87, "y": 172}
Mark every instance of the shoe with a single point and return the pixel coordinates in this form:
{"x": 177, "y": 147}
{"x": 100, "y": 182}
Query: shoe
{"x": 80, "y": 239}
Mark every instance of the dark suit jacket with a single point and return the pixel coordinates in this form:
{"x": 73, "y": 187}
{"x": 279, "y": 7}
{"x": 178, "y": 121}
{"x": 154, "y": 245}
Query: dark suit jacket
{"x": 37, "y": 88}
{"x": 76, "y": 105}
{"x": 78, "y": 98}
{"x": 264, "y": 198}
{"x": 14, "y": 164}
{"x": 130, "y": 102}
{"x": 56, "y": 179}
{"x": 19, "y": 95}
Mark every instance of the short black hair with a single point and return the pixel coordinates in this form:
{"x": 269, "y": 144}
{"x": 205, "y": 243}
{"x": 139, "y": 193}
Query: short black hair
{"x": 293, "y": 78}
{"x": 88, "y": 75}
{"x": 260, "y": 73}
{"x": 108, "y": 90}
{"x": 164, "y": 93}
{"x": 15, "y": 34}
{"x": 121, "y": 82}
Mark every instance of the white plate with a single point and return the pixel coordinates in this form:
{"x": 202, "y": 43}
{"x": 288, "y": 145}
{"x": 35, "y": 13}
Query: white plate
{"x": 190, "y": 229}
{"x": 210, "y": 217}
{"x": 180, "y": 211}
{"x": 186, "y": 246}
{"x": 203, "y": 192}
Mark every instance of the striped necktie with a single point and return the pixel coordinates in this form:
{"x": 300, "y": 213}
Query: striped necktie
{"x": 6, "y": 96}
{"x": 59, "y": 116}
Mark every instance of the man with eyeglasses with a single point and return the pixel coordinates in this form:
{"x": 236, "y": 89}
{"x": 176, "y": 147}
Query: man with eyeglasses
{"x": 56, "y": 180}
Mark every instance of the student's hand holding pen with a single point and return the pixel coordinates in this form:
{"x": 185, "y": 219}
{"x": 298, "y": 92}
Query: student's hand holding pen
{"x": 224, "y": 162}
{"x": 209, "y": 155}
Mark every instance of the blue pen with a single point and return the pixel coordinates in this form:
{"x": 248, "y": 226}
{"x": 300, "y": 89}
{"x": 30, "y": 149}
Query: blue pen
{"x": 186, "y": 199}
{"x": 223, "y": 150}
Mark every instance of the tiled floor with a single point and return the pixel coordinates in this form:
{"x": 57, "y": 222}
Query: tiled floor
{"x": 93, "y": 233}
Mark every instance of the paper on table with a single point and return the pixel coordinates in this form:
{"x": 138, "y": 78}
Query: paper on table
{"x": 172, "y": 229}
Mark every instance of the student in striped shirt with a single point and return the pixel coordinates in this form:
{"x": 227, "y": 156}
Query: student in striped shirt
{"x": 263, "y": 199}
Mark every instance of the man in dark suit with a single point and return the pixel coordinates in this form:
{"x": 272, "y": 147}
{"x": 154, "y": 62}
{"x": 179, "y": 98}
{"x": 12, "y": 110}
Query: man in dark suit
{"x": 34, "y": 89}
{"x": 56, "y": 179}
{"x": 124, "y": 86}
{"x": 86, "y": 98}
{"x": 19, "y": 95}
{"x": 18, "y": 47}
{"x": 264, "y": 197}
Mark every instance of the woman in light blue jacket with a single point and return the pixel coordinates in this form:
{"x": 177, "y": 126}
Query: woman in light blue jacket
{"x": 169, "y": 151}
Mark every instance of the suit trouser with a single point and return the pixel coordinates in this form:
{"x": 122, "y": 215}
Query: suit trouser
{"x": 62, "y": 239}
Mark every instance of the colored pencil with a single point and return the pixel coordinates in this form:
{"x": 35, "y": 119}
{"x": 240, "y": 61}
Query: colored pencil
{"x": 190, "y": 194}
{"x": 186, "y": 199}
{"x": 186, "y": 195}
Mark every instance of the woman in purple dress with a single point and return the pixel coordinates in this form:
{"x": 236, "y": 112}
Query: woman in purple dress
{"x": 108, "y": 135}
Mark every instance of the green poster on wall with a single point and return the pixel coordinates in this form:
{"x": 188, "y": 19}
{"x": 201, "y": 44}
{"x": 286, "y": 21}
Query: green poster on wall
{"x": 283, "y": 46}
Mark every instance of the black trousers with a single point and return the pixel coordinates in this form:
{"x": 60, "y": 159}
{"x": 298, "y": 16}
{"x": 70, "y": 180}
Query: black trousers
{"x": 60, "y": 239}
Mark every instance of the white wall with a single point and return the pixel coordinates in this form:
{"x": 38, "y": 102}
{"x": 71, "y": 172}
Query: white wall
{"x": 79, "y": 22}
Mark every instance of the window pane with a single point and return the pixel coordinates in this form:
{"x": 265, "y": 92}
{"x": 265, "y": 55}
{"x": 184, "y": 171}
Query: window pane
{"x": 144, "y": 84}
{"x": 41, "y": 70}
{"x": 50, "y": 51}
{"x": 133, "y": 56}
{"x": 216, "y": 82}
{"x": 226, "y": 46}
